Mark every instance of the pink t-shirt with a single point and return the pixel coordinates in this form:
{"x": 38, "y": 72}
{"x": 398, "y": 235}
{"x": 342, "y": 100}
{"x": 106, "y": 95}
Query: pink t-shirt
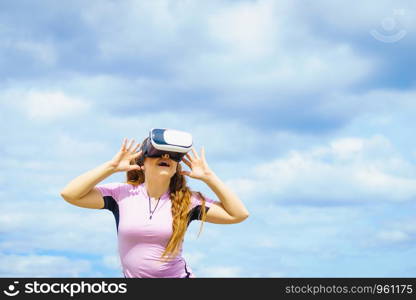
{"x": 141, "y": 240}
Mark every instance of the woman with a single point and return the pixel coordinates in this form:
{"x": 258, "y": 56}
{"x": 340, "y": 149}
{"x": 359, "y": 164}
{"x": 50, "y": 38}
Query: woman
{"x": 154, "y": 207}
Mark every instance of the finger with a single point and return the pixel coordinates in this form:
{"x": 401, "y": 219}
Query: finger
{"x": 130, "y": 144}
{"x": 187, "y": 162}
{"x": 203, "y": 154}
{"x": 123, "y": 145}
{"x": 137, "y": 154}
{"x": 185, "y": 173}
{"x": 195, "y": 153}
{"x": 137, "y": 147}
{"x": 134, "y": 167}
{"x": 188, "y": 156}
{"x": 204, "y": 160}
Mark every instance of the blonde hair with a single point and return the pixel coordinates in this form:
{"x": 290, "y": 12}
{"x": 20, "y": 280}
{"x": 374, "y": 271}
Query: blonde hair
{"x": 180, "y": 196}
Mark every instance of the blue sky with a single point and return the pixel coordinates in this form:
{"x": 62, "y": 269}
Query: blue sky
{"x": 305, "y": 109}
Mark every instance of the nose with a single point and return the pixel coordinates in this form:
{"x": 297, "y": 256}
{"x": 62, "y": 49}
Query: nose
{"x": 166, "y": 155}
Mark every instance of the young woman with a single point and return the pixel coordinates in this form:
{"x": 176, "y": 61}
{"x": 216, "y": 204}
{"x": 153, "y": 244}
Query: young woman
{"x": 154, "y": 207}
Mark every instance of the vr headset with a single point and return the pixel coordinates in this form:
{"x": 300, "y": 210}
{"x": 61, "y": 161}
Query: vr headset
{"x": 166, "y": 141}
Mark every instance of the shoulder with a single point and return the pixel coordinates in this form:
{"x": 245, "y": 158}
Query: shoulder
{"x": 197, "y": 198}
{"x": 111, "y": 185}
{"x": 117, "y": 190}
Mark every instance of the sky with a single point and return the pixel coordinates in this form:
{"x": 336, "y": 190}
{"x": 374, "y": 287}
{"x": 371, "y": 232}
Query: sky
{"x": 305, "y": 110}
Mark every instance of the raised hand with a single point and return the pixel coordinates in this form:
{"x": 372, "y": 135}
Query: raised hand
{"x": 121, "y": 161}
{"x": 198, "y": 165}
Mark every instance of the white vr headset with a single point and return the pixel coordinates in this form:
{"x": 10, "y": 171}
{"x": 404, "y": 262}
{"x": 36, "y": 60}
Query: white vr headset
{"x": 167, "y": 141}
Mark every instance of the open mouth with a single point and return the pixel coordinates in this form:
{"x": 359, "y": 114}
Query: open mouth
{"x": 163, "y": 164}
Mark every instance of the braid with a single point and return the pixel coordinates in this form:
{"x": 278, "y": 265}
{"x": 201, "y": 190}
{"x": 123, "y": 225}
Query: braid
{"x": 180, "y": 196}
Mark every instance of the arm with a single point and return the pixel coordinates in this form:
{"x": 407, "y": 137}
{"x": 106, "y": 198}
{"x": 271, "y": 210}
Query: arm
{"x": 81, "y": 185}
{"x": 230, "y": 210}
{"x": 81, "y": 192}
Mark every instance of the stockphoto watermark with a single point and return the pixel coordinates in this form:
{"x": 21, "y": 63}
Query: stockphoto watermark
{"x": 71, "y": 288}
{"x": 391, "y": 30}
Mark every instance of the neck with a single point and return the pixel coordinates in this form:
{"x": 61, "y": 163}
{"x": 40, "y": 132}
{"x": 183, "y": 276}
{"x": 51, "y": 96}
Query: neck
{"x": 156, "y": 188}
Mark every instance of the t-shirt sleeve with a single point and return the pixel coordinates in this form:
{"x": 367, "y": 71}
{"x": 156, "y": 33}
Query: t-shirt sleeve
{"x": 196, "y": 206}
{"x": 110, "y": 193}
{"x": 196, "y": 200}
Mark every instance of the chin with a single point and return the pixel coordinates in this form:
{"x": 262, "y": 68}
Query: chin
{"x": 164, "y": 172}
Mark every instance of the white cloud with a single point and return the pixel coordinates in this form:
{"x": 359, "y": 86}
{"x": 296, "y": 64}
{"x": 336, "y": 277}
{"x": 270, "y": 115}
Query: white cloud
{"x": 247, "y": 28}
{"x": 277, "y": 275}
{"x": 394, "y": 232}
{"x": 267, "y": 242}
{"x": 352, "y": 169}
{"x": 368, "y": 16}
{"x": 70, "y": 148}
{"x": 193, "y": 258}
{"x": 42, "y": 266}
{"x": 372, "y": 103}
{"x": 220, "y": 271}
{"x": 392, "y": 236}
{"x": 146, "y": 29}
{"x": 56, "y": 225}
{"x": 271, "y": 48}
{"x": 304, "y": 229}
{"x": 45, "y": 105}
{"x": 347, "y": 147}
{"x": 226, "y": 38}
{"x": 112, "y": 262}
{"x": 45, "y": 52}
{"x": 275, "y": 67}
{"x": 41, "y": 51}
{"x": 52, "y": 105}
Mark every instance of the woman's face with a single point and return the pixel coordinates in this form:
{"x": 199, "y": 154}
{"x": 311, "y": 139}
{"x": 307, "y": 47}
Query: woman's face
{"x": 160, "y": 166}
